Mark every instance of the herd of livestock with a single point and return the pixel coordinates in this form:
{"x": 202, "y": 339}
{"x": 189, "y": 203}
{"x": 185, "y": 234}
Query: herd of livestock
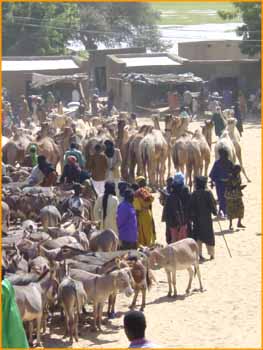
{"x": 59, "y": 262}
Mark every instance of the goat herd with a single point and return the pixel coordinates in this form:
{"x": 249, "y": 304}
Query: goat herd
{"x": 59, "y": 262}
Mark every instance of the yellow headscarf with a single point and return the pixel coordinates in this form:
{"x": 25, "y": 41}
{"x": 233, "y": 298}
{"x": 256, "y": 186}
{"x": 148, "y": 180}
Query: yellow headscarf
{"x": 139, "y": 179}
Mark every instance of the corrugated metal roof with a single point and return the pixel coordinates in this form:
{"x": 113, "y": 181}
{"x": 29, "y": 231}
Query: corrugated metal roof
{"x": 37, "y": 65}
{"x": 149, "y": 61}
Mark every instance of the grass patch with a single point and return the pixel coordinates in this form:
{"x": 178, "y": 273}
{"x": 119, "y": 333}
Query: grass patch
{"x": 186, "y": 13}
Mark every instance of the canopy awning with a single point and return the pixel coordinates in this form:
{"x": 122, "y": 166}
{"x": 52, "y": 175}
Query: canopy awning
{"x": 40, "y": 80}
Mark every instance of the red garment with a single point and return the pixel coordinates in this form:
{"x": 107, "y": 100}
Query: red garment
{"x": 178, "y": 233}
{"x": 144, "y": 194}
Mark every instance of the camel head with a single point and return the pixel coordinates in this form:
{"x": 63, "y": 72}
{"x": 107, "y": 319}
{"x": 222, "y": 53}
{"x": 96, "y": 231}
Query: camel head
{"x": 123, "y": 116}
{"x": 177, "y": 122}
{"x": 209, "y": 124}
{"x": 197, "y": 134}
{"x": 231, "y": 123}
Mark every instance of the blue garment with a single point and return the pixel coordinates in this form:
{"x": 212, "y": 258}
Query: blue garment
{"x": 127, "y": 222}
{"x": 76, "y": 153}
{"x": 227, "y": 98}
{"x": 219, "y": 174}
{"x": 142, "y": 343}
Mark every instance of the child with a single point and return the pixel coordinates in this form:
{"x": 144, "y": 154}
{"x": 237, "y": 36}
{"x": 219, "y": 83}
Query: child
{"x": 202, "y": 205}
{"x": 233, "y": 195}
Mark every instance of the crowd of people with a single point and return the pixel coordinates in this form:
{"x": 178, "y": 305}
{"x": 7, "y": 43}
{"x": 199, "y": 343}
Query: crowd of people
{"x": 127, "y": 208}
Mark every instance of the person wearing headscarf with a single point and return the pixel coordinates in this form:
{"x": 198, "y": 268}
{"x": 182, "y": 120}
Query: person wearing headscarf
{"x": 31, "y": 158}
{"x": 127, "y": 222}
{"x": 176, "y": 210}
{"x": 163, "y": 198}
{"x": 202, "y": 206}
{"x": 94, "y": 105}
{"x": 75, "y": 203}
{"x": 219, "y": 121}
{"x": 33, "y": 155}
{"x": 43, "y": 174}
{"x": 233, "y": 194}
{"x": 24, "y": 110}
{"x": 13, "y": 333}
{"x": 110, "y": 102}
{"x": 105, "y": 208}
{"x": 50, "y": 101}
{"x": 237, "y": 115}
{"x": 97, "y": 165}
{"x": 219, "y": 174}
{"x": 114, "y": 162}
{"x": 73, "y": 151}
{"x": 122, "y": 187}
{"x": 71, "y": 172}
{"x": 142, "y": 203}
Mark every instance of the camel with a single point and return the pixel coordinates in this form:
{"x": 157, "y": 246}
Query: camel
{"x": 133, "y": 153}
{"x": 207, "y": 131}
{"x": 187, "y": 155}
{"x": 153, "y": 149}
{"x": 235, "y": 138}
{"x": 205, "y": 150}
{"x": 59, "y": 121}
{"x": 155, "y": 119}
{"x": 194, "y": 163}
{"x": 226, "y": 143}
{"x": 48, "y": 148}
{"x": 122, "y": 143}
{"x": 174, "y": 128}
{"x": 180, "y": 153}
{"x": 15, "y": 149}
{"x": 63, "y": 140}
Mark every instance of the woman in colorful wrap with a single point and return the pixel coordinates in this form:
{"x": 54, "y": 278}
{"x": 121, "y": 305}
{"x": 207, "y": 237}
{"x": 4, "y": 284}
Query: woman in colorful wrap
{"x": 13, "y": 334}
{"x": 233, "y": 195}
{"x": 143, "y": 205}
{"x": 176, "y": 211}
{"x": 219, "y": 174}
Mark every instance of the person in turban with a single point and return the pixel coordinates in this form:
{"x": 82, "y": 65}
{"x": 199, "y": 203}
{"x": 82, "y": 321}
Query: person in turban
{"x": 202, "y": 206}
{"x": 176, "y": 210}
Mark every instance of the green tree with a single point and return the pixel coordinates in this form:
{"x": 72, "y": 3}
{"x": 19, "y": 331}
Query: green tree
{"x": 32, "y": 28}
{"x": 250, "y": 31}
{"x": 115, "y": 23}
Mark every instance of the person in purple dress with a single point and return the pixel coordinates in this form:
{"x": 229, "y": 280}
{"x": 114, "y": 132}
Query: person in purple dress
{"x": 127, "y": 222}
{"x": 219, "y": 174}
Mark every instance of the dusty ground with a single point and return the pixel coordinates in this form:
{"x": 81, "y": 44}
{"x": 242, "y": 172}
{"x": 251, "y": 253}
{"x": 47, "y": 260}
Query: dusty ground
{"x": 228, "y": 313}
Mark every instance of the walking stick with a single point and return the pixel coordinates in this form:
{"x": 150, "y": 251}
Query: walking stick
{"x": 224, "y": 239}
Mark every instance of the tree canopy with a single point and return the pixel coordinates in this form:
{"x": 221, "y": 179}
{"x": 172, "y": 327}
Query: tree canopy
{"x": 251, "y": 29}
{"x": 32, "y": 28}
